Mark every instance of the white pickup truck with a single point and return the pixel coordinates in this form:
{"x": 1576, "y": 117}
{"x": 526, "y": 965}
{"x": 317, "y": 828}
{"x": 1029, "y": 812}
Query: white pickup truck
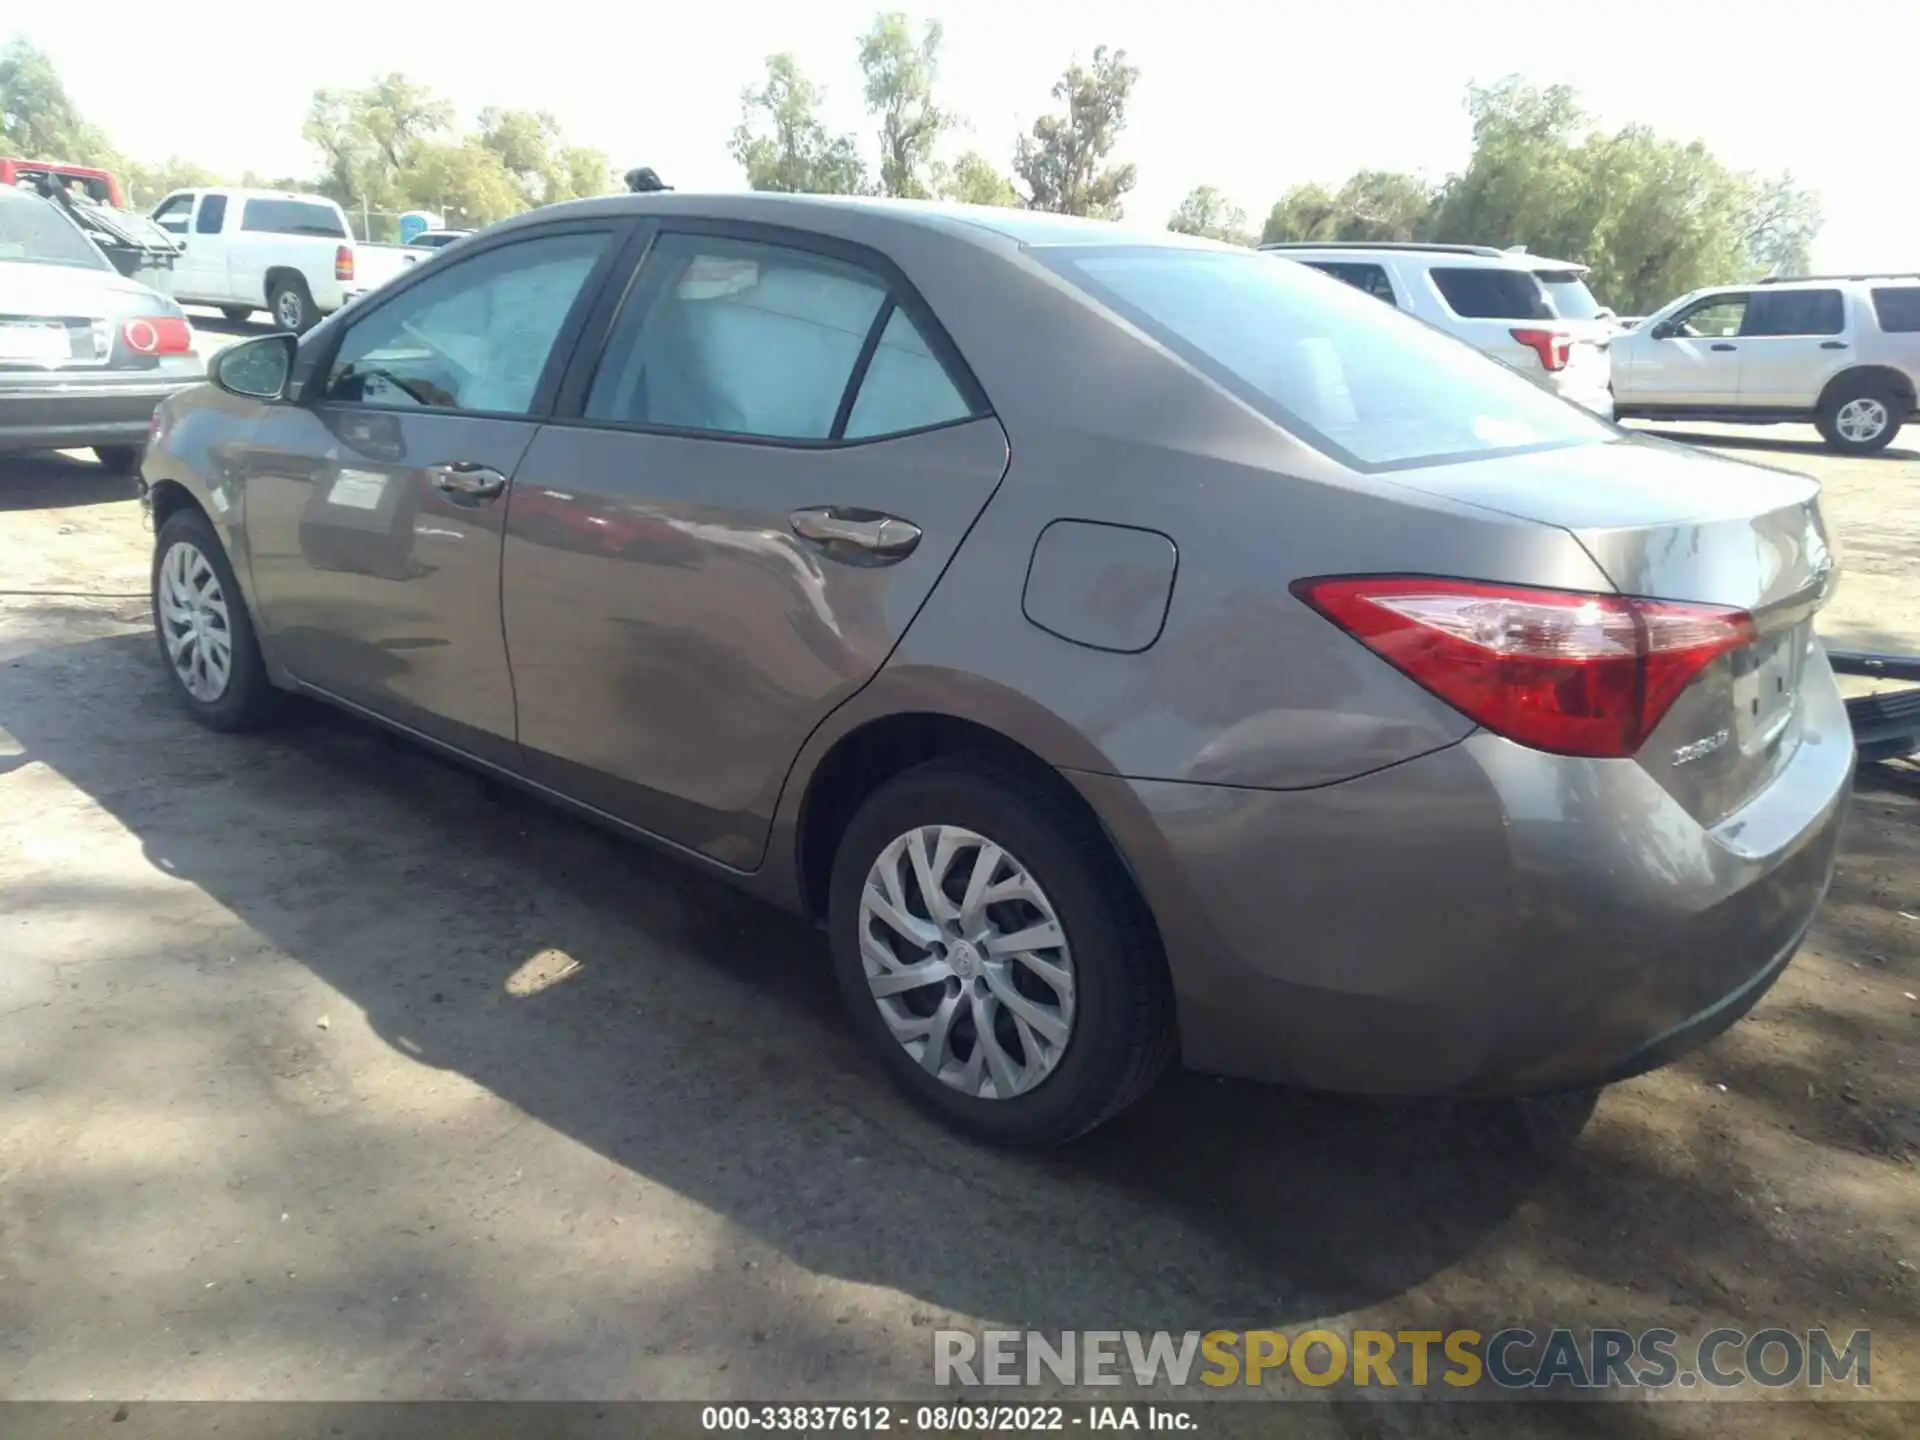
{"x": 293, "y": 255}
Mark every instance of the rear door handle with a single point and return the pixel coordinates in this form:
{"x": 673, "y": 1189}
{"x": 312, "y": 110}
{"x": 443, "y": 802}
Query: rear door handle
{"x": 467, "y": 479}
{"x": 883, "y": 535}
{"x": 1833, "y": 344}
{"x": 1723, "y": 347}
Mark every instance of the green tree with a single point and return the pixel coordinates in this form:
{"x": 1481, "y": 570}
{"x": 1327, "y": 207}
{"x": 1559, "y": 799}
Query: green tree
{"x": 1654, "y": 217}
{"x": 148, "y": 185}
{"x": 781, "y": 143}
{"x": 975, "y": 180}
{"x": 1371, "y": 205}
{"x": 1207, "y": 211}
{"x": 1782, "y": 221}
{"x": 368, "y": 138}
{"x": 899, "y": 73}
{"x": 38, "y": 119}
{"x": 533, "y": 151}
{"x": 1063, "y": 161}
{"x": 464, "y": 180}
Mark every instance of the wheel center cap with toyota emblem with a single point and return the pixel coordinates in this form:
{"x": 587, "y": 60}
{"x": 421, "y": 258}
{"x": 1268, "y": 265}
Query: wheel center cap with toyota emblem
{"x": 964, "y": 959}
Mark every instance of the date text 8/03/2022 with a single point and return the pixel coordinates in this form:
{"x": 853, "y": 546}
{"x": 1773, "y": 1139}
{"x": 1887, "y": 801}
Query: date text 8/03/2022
{"x": 942, "y": 1419}
{"x": 1511, "y": 1358}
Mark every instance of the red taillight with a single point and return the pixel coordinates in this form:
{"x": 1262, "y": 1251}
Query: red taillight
{"x": 1552, "y": 346}
{"x": 343, "y": 263}
{"x": 1559, "y": 670}
{"x": 157, "y": 335}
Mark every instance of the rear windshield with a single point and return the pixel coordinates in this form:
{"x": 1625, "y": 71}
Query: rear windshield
{"x": 1898, "y": 309}
{"x": 1484, "y": 293}
{"x": 1569, "y": 294}
{"x": 31, "y": 229}
{"x": 293, "y": 217}
{"x": 1350, "y": 376}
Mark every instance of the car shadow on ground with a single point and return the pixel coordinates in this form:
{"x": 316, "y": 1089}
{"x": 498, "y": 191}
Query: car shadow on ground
{"x": 1781, "y": 444}
{"x": 47, "y": 480}
{"x": 692, "y": 1036}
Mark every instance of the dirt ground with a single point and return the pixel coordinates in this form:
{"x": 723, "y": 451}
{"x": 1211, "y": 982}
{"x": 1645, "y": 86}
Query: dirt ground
{"x": 330, "y": 1071}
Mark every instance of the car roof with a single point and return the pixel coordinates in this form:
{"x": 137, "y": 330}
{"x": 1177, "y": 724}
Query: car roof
{"x": 980, "y": 223}
{"x": 1468, "y": 256}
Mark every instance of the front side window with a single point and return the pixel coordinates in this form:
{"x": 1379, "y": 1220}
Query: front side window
{"x": 213, "y": 214}
{"x": 293, "y": 217}
{"x": 1795, "y": 312}
{"x": 1715, "y": 319}
{"x": 1363, "y": 382}
{"x": 1370, "y": 278}
{"x": 1483, "y": 292}
{"x": 737, "y": 338}
{"x": 476, "y": 336}
{"x": 173, "y": 214}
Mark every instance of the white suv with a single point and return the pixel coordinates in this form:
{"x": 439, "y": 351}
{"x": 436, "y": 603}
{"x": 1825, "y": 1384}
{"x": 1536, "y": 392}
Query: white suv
{"x": 1497, "y": 300}
{"x": 1841, "y": 351}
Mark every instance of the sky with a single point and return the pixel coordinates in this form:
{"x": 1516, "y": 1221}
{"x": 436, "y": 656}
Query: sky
{"x": 1247, "y": 96}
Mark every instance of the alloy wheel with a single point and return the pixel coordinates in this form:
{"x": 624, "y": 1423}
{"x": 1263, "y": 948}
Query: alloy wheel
{"x": 1861, "y": 420}
{"x": 194, "y": 622}
{"x": 967, "y": 961}
{"x": 289, "y": 310}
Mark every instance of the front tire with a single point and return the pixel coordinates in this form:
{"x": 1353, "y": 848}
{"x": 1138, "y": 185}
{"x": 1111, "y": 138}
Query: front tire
{"x": 237, "y": 314}
{"x": 1861, "y": 417}
{"x": 205, "y": 635}
{"x": 994, "y": 957}
{"x": 292, "y": 304}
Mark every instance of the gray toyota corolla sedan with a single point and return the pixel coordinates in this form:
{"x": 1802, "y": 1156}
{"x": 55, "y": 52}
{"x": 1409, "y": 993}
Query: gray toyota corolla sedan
{"x": 85, "y": 354}
{"x": 1125, "y": 645}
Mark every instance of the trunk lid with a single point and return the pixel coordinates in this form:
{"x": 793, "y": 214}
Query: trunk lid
{"x": 1671, "y": 523}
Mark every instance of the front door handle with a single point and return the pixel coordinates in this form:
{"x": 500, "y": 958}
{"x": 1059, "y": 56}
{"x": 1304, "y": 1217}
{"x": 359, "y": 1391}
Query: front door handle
{"x": 868, "y": 530}
{"x": 467, "y": 480}
{"x": 1723, "y": 347}
{"x": 1833, "y": 344}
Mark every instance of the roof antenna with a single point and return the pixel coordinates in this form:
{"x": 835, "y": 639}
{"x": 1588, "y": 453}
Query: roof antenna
{"x": 642, "y": 180}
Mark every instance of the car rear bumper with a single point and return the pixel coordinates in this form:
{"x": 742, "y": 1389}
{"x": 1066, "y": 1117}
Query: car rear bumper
{"x": 41, "y": 416}
{"x": 1591, "y": 390}
{"x": 1483, "y": 919}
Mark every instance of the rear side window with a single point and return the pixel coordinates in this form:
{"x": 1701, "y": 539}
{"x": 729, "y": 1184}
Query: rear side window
{"x": 1571, "y": 298}
{"x": 905, "y": 387}
{"x": 1368, "y": 384}
{"x": 1898, "y": 309}
{"x": 1483, "y": 293}
{"x": 213, "y": 214}
{"x": 1795, "y": 312}
{"x": 1370, "y": 278}
{"x": 735, "y": 337}
{"x": 292, "y": 217}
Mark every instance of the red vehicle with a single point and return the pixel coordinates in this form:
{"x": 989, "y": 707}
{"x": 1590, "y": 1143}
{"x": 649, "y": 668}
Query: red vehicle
{"x": 100, "y": 185}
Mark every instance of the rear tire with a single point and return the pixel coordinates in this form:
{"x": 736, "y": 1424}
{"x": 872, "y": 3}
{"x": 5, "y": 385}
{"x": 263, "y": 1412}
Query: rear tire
{"x": 237, "y": 314}
{"x": 1861, "y": 417}
{"x": 206, "y": 637}
{"x": 292, "y": 304}
{"x": 120, "y": 459}
{"x": 1064, "y": 1058}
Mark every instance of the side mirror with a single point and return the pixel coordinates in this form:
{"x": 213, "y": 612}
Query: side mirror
{"x": 1662, "y": 331}
{"x": 256, "y": 369}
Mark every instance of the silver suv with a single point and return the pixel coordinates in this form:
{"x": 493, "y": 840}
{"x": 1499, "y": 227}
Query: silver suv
{"x": 1536, "y": 315}
{"x": 1841, "y": 351}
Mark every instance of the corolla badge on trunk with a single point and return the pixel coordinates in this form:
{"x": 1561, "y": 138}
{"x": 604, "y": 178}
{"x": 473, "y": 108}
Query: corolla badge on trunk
{"x": 1700, "y": 749}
